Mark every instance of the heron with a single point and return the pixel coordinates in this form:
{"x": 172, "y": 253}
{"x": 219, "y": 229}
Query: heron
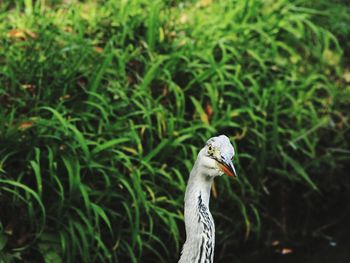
{"x": 213, "y": 160}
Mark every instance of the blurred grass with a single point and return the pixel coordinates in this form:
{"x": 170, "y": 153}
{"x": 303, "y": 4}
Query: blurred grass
{"x": 105, "y": 106}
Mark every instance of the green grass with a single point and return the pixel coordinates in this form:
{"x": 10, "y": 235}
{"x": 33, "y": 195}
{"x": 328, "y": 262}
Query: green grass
{"x": 105, "y": 106}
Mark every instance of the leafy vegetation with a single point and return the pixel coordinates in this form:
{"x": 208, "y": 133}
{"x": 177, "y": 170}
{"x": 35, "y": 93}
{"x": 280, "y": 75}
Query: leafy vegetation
{"x": 104, "y": 105}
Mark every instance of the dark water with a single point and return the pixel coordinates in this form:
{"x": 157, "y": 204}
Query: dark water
{"x": 323, "y": 252}
{"x": 326, "y": 249}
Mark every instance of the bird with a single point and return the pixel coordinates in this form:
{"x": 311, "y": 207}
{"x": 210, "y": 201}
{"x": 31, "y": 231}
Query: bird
{"x": 213, "y": 160}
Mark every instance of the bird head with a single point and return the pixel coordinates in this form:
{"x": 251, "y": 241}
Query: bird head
{"x": 217, "y": 156}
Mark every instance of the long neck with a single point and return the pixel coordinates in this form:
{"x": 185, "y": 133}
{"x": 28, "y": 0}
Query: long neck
{"x": 197, "y": 213}
{"x": 198, "y": 184}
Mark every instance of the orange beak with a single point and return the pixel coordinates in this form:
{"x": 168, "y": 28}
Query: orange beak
{"x": 227, "y": 167}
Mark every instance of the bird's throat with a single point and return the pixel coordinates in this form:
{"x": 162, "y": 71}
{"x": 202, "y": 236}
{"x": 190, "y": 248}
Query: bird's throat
{"x": 198, "y": 185}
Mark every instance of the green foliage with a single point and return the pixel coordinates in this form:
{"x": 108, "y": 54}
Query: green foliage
{"x": 105, "y": 106}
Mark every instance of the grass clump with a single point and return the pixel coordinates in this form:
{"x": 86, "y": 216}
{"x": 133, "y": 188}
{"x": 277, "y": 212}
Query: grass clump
{"x": 104, "y": 107}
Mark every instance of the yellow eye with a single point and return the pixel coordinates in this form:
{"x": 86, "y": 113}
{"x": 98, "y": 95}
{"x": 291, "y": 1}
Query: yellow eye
{"x": 210, "y": 149}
